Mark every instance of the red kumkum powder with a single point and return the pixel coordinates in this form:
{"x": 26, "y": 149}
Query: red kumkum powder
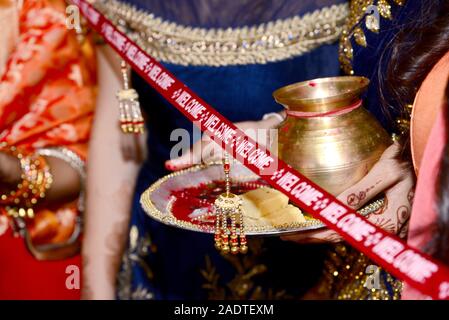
{"x": 203, "y": 197}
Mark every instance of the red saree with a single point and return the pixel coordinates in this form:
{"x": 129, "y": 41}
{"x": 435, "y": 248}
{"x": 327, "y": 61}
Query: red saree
{"x": 47, "y": 95}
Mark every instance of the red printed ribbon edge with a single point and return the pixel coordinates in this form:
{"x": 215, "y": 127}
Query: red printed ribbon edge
{"x": 394, "y": 255}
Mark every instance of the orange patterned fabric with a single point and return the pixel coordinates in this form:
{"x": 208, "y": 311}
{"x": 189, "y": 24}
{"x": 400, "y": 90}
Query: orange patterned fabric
{"x": 46, "y": 92}
{"x": 47, "y": 95}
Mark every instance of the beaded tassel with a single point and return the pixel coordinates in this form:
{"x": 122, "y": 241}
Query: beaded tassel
{"x": 224, "y": 233}
{"x": 229, "y": 232}
{"x": 217, "y": 235}
{"x": 243, "y": 243}
{"x": 131, "y": 120}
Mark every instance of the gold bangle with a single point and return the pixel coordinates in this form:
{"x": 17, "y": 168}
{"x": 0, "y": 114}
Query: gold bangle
{"x": 36, "y": 180}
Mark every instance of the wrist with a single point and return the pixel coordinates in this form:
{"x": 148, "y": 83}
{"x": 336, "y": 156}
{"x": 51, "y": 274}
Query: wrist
{"x": 273, "y": 119}
{"x": 10, "y": 171}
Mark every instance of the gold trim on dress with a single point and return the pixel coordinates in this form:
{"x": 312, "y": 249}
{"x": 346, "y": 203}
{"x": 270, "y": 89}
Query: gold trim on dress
{"x": 268, "y": 42}
{"x": 352, "y": 29}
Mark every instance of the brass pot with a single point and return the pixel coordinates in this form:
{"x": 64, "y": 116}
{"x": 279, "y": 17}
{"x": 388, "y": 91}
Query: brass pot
{"x": 327, "y": 135}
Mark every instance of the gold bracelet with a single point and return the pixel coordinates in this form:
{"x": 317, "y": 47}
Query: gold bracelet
{"x": 36, "y": 180}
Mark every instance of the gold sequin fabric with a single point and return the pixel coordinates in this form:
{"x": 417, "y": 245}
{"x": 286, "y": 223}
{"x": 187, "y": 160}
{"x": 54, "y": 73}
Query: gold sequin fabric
{"x": 361, "y": 13}
{"x": 140, "y": 246}
{"x": 269, "y": 42}
{"x": 350, "y": 275}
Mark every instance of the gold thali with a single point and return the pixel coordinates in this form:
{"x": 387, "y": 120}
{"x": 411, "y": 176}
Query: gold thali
{"x": 167, "y": 200}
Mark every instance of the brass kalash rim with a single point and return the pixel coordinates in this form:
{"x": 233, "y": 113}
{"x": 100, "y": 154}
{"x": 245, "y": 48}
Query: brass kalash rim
{"x": 167, "y": 218}
{"x": 322, "y": 94}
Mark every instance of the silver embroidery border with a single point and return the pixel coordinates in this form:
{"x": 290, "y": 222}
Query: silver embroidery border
{"x": 268, "y": 42}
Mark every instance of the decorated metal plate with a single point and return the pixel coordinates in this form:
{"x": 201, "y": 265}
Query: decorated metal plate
{"x": 184, "y": 199}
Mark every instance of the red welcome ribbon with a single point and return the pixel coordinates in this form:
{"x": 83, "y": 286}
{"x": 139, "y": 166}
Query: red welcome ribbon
{"x": 394, "y": 255}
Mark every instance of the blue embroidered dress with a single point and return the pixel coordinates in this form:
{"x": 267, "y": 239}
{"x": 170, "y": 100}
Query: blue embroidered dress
{"x": 206, "y": 44}
{"x": 236, "y": 77}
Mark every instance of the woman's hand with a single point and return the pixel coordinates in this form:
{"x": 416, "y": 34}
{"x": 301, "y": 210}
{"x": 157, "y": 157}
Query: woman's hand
{"x": 390, "y": 176}
{"x": 205, "y": 150}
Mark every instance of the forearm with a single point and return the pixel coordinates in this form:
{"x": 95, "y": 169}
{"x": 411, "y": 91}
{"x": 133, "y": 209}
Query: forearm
{"x": 110, "y": 185}
{"x": 105, "y": 232}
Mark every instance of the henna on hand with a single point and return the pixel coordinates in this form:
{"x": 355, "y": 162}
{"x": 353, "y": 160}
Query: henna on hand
{"x": 354, "y": 200}
{"x": 403, "y": 216}
{"x": 411, "y": 195}
{"x": 389, "y": 176}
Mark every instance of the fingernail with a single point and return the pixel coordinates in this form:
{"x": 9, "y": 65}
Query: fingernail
{"x": 170, "y": 166}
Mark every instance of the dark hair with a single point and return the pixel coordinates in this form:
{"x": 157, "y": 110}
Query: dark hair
{"x": 441, "y": 239}
{"x": 416, "y": 50}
